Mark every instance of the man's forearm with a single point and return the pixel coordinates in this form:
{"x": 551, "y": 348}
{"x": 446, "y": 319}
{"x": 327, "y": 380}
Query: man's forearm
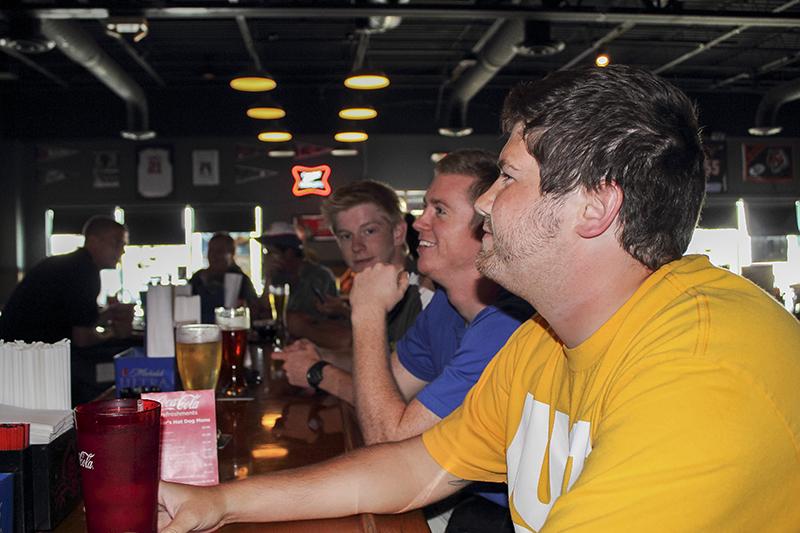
{"x": 382, "y": 479}
{"x": 337, "y": 382}
{"x": 379, "y": 404}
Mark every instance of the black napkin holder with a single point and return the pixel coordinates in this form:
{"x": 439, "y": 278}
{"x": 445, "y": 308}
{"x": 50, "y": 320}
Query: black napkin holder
{"x": 46, "y": 482}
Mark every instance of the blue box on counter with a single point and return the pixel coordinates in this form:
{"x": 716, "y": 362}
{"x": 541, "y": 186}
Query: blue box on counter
{"x": 18, "y": 464}
{"x": 6, "y": 503}
{"x": 134, "y": 372}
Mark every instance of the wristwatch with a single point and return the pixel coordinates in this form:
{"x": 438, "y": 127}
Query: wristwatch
{"x": 314, "y": 374}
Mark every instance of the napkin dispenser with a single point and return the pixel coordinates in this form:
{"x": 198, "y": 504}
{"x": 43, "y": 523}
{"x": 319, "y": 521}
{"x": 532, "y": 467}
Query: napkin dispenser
{"x": 135, "y": 373}
{"x": 46, "y": 482}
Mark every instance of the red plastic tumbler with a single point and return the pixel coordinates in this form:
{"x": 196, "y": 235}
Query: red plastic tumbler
{"x": 118, "y": 451}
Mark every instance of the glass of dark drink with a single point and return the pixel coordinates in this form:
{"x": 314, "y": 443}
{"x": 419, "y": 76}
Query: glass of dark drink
{"x": 235, "y": 325}
{"x": 118, "y": 452}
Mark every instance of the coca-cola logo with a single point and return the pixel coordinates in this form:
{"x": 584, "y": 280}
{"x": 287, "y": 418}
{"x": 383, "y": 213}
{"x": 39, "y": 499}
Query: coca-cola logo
{"x": 86, "y": 460}
{"x": 186, "y": 401}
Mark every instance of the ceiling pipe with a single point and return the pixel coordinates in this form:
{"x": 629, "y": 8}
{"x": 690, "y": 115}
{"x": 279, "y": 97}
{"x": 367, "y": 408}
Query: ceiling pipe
{"x": 136, "y": 56}
{"x": 496, "y": 53}
{"x": 702, "y": 47}
{"x": 247, "y": 37}
{"x": 767, "y": 112}
{"x": 81, "y": 48}
{"x": 34, "y": 65}
{"x": 601, "y": 42}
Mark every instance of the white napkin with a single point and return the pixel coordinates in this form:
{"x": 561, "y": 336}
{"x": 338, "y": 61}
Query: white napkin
{"x": 233, "y": 283}
{"x": 160, "y": 334}
{"x": 46, "y": 425}
{"x": 35, "y": 376}
{"x": 187, "y": 310}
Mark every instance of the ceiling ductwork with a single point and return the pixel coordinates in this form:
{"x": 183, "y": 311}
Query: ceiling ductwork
{"x": 497, "y": 51}
{"x": 381, "y": 24}
{"x": 81, "y": 48}
{"x": 767, "y": 112}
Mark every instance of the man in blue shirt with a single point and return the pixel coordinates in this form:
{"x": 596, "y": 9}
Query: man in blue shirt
{"x": 470, "y": 318}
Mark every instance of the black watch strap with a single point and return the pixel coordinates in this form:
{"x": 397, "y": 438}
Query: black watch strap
{"x": 314, "y": 374}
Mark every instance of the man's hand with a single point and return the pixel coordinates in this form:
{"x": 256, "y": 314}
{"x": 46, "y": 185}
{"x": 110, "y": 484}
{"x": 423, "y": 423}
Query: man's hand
{"x": 377, "y": 289}
{"x": 121, "y": 319}
{"x": 297, "y": 359}
{"x": 184, "y": 508}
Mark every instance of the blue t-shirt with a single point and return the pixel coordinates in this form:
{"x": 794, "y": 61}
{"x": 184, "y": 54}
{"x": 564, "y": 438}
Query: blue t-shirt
{"x": 442, "y": 349}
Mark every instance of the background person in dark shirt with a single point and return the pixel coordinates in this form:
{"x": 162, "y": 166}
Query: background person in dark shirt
{"x": 209, "y": 283}
{"x": 57, "y": 299}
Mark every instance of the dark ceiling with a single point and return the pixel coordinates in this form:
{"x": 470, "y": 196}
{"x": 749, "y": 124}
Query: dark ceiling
{"x": 727, "y": 54}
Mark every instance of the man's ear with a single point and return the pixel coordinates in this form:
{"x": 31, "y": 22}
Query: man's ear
{"x": 600, "y": 209}
{"x": 399, "y": 233}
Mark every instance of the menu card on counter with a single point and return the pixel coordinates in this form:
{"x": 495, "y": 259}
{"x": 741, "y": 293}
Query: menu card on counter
{"x": 188, "y": 436}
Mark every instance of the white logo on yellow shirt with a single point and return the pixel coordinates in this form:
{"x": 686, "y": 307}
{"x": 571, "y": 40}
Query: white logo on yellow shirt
{"x": 525, "y": 457}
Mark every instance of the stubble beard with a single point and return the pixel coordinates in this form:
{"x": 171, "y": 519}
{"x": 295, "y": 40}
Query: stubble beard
{"x": 515, "y": 252}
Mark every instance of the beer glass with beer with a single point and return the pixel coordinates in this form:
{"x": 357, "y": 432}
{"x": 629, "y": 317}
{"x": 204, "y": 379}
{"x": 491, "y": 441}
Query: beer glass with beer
{"x": 118, "y": 453}
{"x": 279, "y": 298}
{"x": 234, "y": 324}
{"x": 198, "y": 349}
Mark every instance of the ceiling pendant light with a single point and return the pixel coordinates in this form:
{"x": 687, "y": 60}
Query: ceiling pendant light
{"x": 358, "y": 112}
{"x": 275, "y": 134}
{"x": 253, "y": 82}
{"x": 266, "y": 111}
{"x": 364, "y": 80}
{"x": 602, "y": 60}
{"x": 351, "y": 136}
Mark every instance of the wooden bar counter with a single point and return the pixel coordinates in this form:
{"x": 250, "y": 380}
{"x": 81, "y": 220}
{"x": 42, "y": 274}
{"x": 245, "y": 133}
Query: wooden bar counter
{"x": 277, "y": 426}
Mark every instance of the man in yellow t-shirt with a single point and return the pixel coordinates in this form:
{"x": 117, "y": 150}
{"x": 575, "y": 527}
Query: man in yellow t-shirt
{"x": 654, "y": 392}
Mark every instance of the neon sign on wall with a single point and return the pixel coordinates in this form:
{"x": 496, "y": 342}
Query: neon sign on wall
{"x": 311, "y": 180}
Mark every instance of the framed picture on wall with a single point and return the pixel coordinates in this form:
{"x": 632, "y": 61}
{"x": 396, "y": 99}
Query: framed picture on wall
{"x": 716, "y": 165}
{"x": 767, "y": 163}
{"x": 105, "y": 170}
{"x": 154, "y": 172}
{"x": 205, "y": 167}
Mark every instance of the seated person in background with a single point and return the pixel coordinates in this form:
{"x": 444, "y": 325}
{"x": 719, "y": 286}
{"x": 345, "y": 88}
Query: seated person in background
{"x": 654, "y": 392}
{"x": 443, "y": 354}
{"x": 209, "y": 283}
{"x": 309, "y": 284}
{"x": 366, "y": 219}
{"x": 347, "y": 209}
{"x": 57, "y": 299}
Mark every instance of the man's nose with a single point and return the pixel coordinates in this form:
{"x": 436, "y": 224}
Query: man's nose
{"x": 357, "y": 244}
{"x": 422, "y": 221}
{"x": 484, "y": 203}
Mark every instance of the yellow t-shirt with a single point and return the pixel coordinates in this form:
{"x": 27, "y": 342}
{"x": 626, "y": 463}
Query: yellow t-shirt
{"x": 681, "y": 413}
